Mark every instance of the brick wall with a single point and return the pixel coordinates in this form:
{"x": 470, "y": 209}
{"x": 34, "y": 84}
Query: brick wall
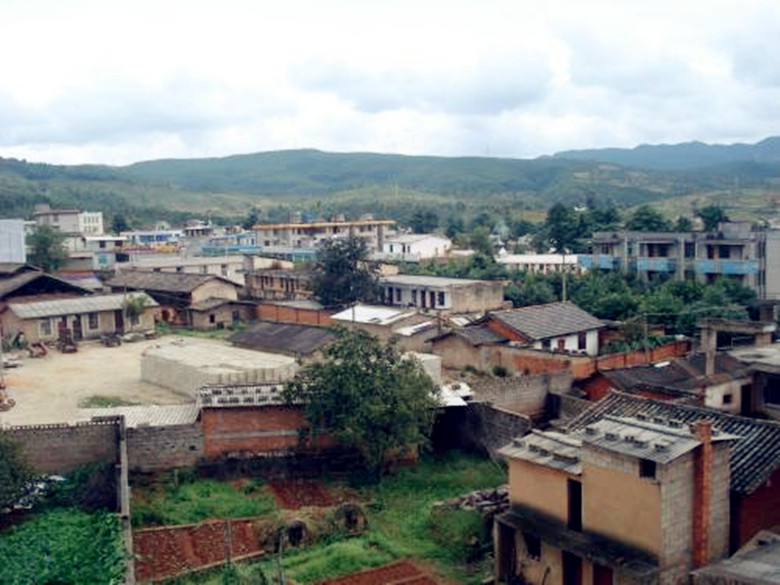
{"x": 160, "y": 448}
{"x": 282, "y": 314}
{"x": 61, "y": 448}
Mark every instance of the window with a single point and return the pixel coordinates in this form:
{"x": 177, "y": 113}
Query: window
{"x": 533, "y": 546}
{"x": 224, "y": 269}
{"x": 582, "y": 340}
{"x": 398, "y": 295}
{"x": 647, "y": 468}
{"x": 545, "y": 344}
{"x": 728, "y": 399}
{"x": 212, "y": 318}
{"x": 92, "y": 319}
{"x": 414, "y": 296}
{"x": 772, "y": 391}
{"x": 204, "y": 269}
{"x": 102, "y": 244}
{"x": 44, "y": 327}
{"x": 440, "y": 300}
{"x": 561, "y": 343}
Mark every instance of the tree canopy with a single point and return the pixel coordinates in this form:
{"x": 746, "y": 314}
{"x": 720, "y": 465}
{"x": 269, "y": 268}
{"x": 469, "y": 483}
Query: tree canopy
{"x": 647, "y": 219}
{"x": 343, "y": 274}
{"x": 367, "y": 395}
{"x": 15, "y": 473}
{"x": 712, "y": 215}
{"x": 47, "y": 250}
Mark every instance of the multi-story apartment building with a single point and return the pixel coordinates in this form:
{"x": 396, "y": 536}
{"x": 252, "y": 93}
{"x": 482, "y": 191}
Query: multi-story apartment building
{"x": 736, "y": 250}
{"x": 623, "y": 500}
{"x": 70, "y": 221}
{"x": 298, "y": 234}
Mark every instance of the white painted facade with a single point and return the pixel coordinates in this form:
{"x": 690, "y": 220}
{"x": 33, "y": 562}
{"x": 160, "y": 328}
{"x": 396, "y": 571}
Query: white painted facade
{"x": 12, "y": 241}
{"x": 572, "y": 343}
{"x": 417, "y": 246}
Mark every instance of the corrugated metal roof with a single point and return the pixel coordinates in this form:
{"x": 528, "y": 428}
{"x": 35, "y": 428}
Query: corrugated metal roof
{"x": 373, "y": 315}
{"x": 550, "y": 320}
{"x": 76, "y": 306}
{"x": 480, "y": 335}
{"x": 754, "y": 457}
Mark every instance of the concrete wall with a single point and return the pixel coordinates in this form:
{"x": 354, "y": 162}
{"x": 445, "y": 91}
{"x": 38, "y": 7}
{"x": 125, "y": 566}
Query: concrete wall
{"x": 540, "y": 488}
{"x": 221, "y": 317}
{"x": 61, "y": 448}
{"x": 159, "y": 448}
{"x": 523, "y": 394}
{"x": 214, "y": 289}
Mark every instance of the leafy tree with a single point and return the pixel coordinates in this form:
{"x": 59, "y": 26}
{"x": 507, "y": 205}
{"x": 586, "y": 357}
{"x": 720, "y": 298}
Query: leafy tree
{"x": 15, "y": 472}
{"x": 47, "y": 250}
{"x": 712, "y": 215}
{"x": 683, "y": 224}
{"x": 424, "y": 221}
{"x": 647, "y": 219}
{"x": 252, "y": 219}
{"x": 119, "y": 224}
{"x": 343, "y": 273}
{"x": 366, "y": 395}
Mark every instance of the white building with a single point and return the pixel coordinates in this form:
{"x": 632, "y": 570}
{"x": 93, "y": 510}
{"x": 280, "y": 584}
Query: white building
{"x": 541, "y": 263}
{"x": 12, "y": 241}
{"x": 417, "y": 247}
{"x": 69, "y": 221}
{"x": 230, "y": 267}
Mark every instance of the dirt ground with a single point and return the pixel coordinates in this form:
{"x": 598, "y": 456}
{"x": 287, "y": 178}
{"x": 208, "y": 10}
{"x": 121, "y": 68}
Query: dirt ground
{"x": 48, "y": 389}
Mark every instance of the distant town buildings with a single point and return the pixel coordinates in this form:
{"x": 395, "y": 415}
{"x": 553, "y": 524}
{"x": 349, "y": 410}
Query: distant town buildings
{"x": 301, "y": 235}
{"x": 12, "y": 241}
{"x": 69, "y": 221}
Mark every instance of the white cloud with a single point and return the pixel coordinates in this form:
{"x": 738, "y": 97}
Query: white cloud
{"x": 93, "y": 81}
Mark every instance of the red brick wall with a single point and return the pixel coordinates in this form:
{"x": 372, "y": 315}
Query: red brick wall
{"x": 281, "y": 314}
{"x": 758, "y": 511}
{"x": 257, "y": 429}
{"x": 503, "y": 330}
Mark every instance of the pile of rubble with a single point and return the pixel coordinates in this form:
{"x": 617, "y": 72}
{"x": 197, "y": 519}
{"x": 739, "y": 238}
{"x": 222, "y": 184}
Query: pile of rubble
{"x": 487, "y": 502}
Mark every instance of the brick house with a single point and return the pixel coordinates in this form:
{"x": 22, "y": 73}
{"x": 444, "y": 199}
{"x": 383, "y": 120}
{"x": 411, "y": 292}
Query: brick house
{"x": 754, "y": 460}
{"x": 571, "y": 522}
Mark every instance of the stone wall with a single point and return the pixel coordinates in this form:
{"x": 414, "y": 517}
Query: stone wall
{"x": 486, "y": 427}
{"x": 159, "y": 448}
{"x": 61, "y": 448}
{"x": 522, "y": 394}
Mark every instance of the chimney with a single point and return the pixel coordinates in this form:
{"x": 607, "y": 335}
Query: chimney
{"x": 709, "y": 345}
{"x": 702, "y": 492}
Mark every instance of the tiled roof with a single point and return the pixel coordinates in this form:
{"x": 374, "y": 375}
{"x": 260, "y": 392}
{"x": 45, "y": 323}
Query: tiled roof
{"x": 283, "y": 337}
{"x": 180, "y": 282}
{"x": 213, "y": 303}
{"x": 754, "y": 456}
{"x": 479, "y": 335}
{"x": 551, "y": 320}
{"x": 14, "y": 283}
{"x": 76, "y": 306}
{"x": 154, "y": 415}
{"x": 550, "y": 449}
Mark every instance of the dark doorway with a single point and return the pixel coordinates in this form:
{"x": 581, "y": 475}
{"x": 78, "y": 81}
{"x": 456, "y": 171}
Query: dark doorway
{"x": 119, "y": 322}
{"x": 602, "y": 575}
{"x": 572, "y": 569}
{"x": 746, "y": 399}
{"x": 506, "y": 553}
{"x": 78, "y": 333}
{"x": 575, "y": 505}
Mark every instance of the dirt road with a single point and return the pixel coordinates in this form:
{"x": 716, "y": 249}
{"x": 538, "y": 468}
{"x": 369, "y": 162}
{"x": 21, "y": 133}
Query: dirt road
{"x": 48, "y": 390}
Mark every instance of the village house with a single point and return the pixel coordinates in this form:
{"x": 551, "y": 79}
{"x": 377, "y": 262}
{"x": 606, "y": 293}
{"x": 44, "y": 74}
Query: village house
{"x": 571, "y": 522}
{"x": 408, "y": 327}
{"x": 87, "y": 317}
{"x": 416, "y": 247}
{"x": 754, "y": 461}
{"x": 177, "y": 292}
{"x": 452, "y": 295}
{"x": 300, "y": 341}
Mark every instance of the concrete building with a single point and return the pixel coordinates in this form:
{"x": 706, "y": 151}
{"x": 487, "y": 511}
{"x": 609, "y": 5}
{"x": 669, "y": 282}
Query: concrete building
{"x": 571, "y": 522}
{"x": 154, "y": 238}
{"x": 12, "y": 241}
{"x": 303, "y": 235}
{"x": 416, "y": 247}
{"x": 69, "y": 221}
{"x": 229, "y": 267}
{"x": 541, "y": 263}
{"x": 411, "y": 329}
{"x": 102, "y": 252}
{"x": 736, "y": 250}
{"x": 454, "y": 295}
{"x": 274, "y": 284}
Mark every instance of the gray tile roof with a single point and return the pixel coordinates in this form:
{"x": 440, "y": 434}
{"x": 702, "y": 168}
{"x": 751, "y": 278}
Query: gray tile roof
{"x": 179, "y": 282}
{"x": 754, "y": 456}
{"x": 551, "y": 320}
{"x": 479, "y": 335}
{"x": 759, "y": 565}
{"x": 75, "y": 306}
{"x": 283, "y": 337}
{"x": 48, "y": 283}
{"x": 153, "y": 416}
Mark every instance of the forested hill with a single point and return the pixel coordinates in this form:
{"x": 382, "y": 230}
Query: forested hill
{"x": 686, "y": 156}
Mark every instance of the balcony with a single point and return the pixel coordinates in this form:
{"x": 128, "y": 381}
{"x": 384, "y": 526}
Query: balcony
{"x": 738, "y": 267}
{"x": 601, "y": 261}
{"x": 656, "y": 265}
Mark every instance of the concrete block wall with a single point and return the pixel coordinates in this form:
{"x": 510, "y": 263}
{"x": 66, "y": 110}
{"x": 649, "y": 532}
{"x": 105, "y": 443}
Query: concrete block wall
{"x": 160, "y": 448}
{"x": 61, "y": 448}
{"x": 677, "y": 508}
{"x": 488, "y": 428}
{"x": 522, "y": 394}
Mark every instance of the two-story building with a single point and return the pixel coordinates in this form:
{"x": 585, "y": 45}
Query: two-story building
{"x": 301, "y": 235}
{"x": 623, "y": 500}
{"x": 70, "y": 221}
{"x": 736, "y": 250}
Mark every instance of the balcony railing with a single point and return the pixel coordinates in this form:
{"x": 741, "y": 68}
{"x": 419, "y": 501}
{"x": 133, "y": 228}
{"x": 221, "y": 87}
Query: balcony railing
{"x": 656, "y": 265}
{"x": 726, "y": 267}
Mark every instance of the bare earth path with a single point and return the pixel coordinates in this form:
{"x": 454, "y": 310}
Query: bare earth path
{"x": 48, "y": 389}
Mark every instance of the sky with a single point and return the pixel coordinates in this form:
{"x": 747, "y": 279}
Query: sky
{"x": 112, "y": 82}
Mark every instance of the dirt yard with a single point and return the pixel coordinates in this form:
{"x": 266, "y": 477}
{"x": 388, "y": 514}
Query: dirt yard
{"x": 48, "y": 389}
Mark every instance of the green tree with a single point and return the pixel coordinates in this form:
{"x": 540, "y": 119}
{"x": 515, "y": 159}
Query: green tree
{"x": 252, "y": 219}
{"x": 343, "y": 274}
{"x": 366, "y": 395}
{"x": 424, "y": 221}
{"x": 711, "y": 215}
{"x": 683, "y": 224}
{"x": 47, "y": 250}
{"x": 119, "y": 223}
{"x": 647, "y": 219}
{"x": 15, "y": 472}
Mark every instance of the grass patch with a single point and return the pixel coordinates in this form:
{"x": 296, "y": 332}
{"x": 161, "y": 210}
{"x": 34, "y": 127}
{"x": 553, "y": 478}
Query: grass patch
{"x": 105, "y": 402}
{"x": 63, "y": 546}
{"x": 200, "y": 499}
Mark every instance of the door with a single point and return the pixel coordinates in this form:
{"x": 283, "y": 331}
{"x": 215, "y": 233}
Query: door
{"x": 572, "y": 569}
{"x": 745, "y": 398}
{"x": 119, "y": 322}
{"x": 78, "y": 333}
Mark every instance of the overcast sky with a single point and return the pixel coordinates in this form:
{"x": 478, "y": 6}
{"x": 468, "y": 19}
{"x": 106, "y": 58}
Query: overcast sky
{"x": 117, "y": 82}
